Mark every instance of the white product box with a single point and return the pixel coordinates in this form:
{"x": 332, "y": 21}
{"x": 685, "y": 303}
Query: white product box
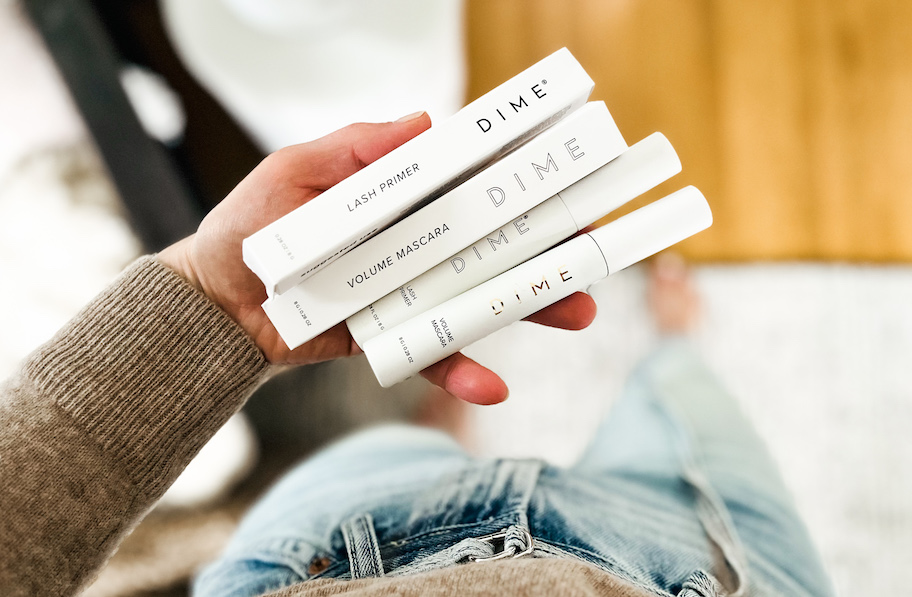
{"x": 643, "y": 166}
{"x": 406, "y": 349}
{"x": 565, "y": 153}
{"x": 298, "y": 245}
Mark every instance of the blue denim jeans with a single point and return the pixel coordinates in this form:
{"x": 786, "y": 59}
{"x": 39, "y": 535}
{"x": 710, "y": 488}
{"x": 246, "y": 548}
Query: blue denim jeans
{"x": 676, "y": 494}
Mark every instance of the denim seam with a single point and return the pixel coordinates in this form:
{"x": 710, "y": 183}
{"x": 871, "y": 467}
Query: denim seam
{"x": 578, "y": 552}
{"x": 445, "y": 529}
{"x": 718, "y": 526}
{"x": 711, "y": 510}
{"x": 525, "y": 474}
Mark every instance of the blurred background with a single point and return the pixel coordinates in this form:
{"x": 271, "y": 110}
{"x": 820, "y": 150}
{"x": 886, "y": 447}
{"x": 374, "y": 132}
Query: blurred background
{"x": 123, "y": 122}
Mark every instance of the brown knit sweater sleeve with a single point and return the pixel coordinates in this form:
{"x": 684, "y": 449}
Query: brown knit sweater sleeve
{"x": 99, "y": 421}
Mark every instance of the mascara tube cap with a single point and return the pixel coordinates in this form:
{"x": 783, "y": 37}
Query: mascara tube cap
{"x": 652, "y": 228}
{"x": 642, "y": 166}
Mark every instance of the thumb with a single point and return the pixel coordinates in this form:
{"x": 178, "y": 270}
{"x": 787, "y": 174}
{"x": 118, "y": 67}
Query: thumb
{"x": 373, "y": 141}
{"x": 338, "y": 155}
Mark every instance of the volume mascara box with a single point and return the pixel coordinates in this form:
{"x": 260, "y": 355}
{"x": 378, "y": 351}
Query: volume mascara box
{"x": 289, "y": 250}
{"x": 557, "y": 158}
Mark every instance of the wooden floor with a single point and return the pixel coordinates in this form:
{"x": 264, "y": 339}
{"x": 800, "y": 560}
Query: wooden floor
{"x": 794, "y": 117}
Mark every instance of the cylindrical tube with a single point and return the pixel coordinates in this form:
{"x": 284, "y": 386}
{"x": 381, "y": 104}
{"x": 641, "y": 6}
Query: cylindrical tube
{"x": 640, "y": 168}
{"x": 402, "y": 351}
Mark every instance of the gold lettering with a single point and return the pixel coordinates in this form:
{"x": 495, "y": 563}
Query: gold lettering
{"x": 564, "y": 273}
{"x": 544, "y": 284}
{"x": 497, "y": 309}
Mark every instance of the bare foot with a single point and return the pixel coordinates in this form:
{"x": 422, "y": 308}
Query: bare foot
{"x": 673, "y": 299}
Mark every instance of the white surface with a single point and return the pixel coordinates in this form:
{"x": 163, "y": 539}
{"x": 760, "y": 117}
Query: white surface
{"x": 35, "y": 111}
{"x": 158, "y": 107}
{"x": 225, "y": 460}
{"x": 293, "y": 70}
{"x": 62, "y": 239}
{"x": 818, "y": 356}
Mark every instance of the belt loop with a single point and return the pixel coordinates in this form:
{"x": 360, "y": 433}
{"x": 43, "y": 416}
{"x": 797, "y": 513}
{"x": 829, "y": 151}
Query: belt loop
{"x": 363, "y": 548}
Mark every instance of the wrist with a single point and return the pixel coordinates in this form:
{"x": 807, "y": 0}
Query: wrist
{"x": 179, "y": 259}
{"x": 176, "y": 257}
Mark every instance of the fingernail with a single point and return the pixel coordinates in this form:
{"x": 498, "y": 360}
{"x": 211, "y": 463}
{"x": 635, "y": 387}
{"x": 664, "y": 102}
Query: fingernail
{"x": 411, "y": 116}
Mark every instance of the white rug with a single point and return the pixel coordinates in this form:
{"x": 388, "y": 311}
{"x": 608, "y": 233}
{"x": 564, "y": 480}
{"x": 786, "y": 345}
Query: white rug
{"x": 819, "y": 357}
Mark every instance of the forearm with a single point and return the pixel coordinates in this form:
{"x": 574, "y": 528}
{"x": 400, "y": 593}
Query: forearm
{"x": 102, "y": 419}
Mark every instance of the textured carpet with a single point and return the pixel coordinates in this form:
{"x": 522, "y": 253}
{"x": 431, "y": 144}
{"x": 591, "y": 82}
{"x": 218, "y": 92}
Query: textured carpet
{"x": 817, "y": 354}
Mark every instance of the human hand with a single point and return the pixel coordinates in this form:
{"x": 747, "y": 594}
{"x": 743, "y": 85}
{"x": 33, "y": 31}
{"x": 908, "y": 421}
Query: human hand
{"x": 211, "y": 259}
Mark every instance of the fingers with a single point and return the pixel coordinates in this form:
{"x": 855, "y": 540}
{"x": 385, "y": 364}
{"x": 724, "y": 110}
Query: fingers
{"x": 458, "y": 374}
{"x": 330, "y": 159}
{"x": 467, "y": 380}
{"x": 572, "y": 313}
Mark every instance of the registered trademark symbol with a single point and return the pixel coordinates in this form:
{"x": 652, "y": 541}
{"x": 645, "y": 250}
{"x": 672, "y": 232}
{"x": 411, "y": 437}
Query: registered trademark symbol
{"x": 544, "y": 81}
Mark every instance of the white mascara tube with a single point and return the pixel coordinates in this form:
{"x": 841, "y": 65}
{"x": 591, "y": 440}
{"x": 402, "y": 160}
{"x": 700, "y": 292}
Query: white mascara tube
{"x": 640, "y": 168}
{"x": 406, "y": 349}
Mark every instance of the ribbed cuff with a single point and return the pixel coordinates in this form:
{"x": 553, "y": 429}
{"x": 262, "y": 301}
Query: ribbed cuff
{"x": 151, "y": 369}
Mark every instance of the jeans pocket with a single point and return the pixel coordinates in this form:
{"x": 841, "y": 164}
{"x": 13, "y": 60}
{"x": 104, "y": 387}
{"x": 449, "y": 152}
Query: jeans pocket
{"x": 264, "y": 568}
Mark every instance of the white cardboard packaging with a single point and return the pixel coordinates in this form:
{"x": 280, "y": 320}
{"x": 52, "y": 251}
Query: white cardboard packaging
{"x": 643, "y": 166}
{"x": 296, "y": 246}
{"x": 567, "y": 152}
{"x": 417, "y": 343}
